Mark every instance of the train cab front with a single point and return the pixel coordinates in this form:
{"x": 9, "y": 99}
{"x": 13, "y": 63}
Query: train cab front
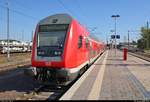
{"x": 48, "y": 49}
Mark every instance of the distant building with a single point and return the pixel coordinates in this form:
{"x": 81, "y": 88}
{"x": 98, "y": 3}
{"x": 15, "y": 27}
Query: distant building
{"x": 126, "y": 45}
{"x": 15, "y": 46}
{"x": 132, "y": 46}
{"x": 15, "y": 43}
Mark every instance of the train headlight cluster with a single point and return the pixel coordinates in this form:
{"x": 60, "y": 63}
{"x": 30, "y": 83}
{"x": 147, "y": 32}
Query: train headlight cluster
{"x": 41, "y": 52}
{"x": 57, "y": 53}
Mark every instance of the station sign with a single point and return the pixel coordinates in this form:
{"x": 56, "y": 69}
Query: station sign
{"x": 118, "y": 36}
{"x": 113, "y": 37}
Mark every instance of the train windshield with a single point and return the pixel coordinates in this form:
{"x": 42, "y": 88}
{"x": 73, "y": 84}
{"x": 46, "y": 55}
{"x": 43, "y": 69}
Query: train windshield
{"x": 52, "y": 35}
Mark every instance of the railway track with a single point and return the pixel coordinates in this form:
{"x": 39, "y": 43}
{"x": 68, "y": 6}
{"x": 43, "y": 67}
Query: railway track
{"x": 141, "y": 55}
{"x": 14, "y": 54}
{"x": 17, "y": 60}
{"x": 47, "y": 93}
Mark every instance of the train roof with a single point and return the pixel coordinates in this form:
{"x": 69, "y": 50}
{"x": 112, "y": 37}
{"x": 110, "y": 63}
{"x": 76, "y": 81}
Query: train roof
{"x": 57, "y": 19}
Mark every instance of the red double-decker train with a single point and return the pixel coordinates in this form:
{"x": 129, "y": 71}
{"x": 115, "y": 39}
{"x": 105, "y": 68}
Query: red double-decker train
{"x": 62, "y": 49}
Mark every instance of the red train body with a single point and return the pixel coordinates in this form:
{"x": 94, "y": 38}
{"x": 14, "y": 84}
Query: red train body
{"x": 62, "y": 49}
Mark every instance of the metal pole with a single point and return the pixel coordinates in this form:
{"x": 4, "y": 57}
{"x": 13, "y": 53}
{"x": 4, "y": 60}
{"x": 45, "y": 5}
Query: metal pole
{"x": 115, "y": 16}
{"x": 8, "y": 46}
{"x": 124, "y": 40}
{"x": 32, "y": 36}
{"x": 128, "y": 39}
{"x": 22, "y": 35}
{"x": 115, "y": 37}
{"x": 147, "y": 35}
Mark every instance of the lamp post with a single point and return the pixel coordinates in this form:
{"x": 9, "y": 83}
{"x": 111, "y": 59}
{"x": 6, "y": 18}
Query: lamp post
{"x": 115, "y": 17}
{"x": 128, "y": 39}
{"x": 112, "y": 45}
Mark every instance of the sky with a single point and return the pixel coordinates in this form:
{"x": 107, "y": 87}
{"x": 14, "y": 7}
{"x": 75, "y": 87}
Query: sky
{"x": 25, "y": 14}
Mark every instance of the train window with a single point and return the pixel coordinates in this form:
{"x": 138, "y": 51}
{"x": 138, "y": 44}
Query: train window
{"x": 80, "y": 42}
{"x": 87, "y": 43}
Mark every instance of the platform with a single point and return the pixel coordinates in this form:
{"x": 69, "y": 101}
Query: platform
{"x": 111, "y": 78}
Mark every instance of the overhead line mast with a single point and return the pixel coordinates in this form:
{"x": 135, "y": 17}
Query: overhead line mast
{"x": 8, "y": 46}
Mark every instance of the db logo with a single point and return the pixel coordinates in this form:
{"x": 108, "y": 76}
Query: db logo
{"x": 48, "y": 63}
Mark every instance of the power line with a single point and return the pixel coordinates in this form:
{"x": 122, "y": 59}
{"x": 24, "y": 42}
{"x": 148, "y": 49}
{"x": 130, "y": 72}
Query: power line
{"x": 83, "y": 17}
{"x": 21, "y": 5}
{"x": 15, "y": 11}
{"x": 82, "y": 14}
{"x": 18, "y": 3}
{"x": 2, "y": 6}
{"x": 23, "y": 14}
{"x": 20, "y": 13}
{"x": 12, "y": 22}
{"x": 4, "y": 20}
{"x": 66, "y": 7}
{"x": 81, "y": 10}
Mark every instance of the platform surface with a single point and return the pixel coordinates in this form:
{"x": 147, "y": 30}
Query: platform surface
{"x": 111, "y": 78}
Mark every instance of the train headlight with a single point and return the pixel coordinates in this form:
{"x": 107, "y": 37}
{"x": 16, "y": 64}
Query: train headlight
{"x": 59, "y": 53}
{"x": 56, "y": 53}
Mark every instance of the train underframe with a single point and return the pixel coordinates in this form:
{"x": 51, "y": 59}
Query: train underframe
{"x": 53, "y": 76}
{"x": 56, "y": 76}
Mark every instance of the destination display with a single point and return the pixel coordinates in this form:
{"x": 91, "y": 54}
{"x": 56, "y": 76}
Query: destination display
{"x": 52, "y": 27}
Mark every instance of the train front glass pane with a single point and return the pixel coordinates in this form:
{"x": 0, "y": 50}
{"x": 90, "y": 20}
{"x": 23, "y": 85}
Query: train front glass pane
{"x": 51, "y": 39}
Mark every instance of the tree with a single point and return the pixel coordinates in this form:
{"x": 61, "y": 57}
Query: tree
{"x": 141, "y": 44}
{"x": 134, "y": 42}
{"x": 144, "y": 42}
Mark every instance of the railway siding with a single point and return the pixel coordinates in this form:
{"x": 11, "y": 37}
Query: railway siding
{"x": 141, "y": 55}
{"x": 17, "y": 60}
